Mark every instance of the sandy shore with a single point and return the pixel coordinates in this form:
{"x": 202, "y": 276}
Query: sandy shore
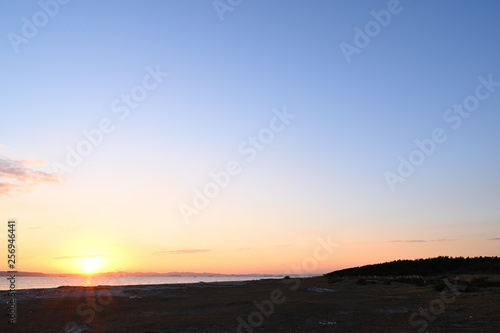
{"x": 286, "y": 305}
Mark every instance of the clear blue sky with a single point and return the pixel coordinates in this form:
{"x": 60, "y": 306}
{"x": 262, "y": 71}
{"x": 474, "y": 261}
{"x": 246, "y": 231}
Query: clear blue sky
{"x": 323, "y": 174}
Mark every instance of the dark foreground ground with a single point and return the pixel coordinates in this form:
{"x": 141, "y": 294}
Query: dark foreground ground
{"x": 298, "y": 305}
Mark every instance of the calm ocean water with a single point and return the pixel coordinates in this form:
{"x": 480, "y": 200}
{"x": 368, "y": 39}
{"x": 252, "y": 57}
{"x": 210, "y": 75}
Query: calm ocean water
{"x": 24, "y": 282}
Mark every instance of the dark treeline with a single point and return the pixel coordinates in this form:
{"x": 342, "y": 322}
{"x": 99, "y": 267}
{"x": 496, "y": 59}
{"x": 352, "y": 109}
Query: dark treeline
{"x": 425, "y": 267}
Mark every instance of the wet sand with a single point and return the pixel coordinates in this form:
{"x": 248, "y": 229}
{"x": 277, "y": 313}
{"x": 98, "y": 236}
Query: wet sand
{"x": 285, "y": 305}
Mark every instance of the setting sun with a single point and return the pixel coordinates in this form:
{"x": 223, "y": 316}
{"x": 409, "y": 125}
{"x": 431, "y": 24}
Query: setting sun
{"x": 91, "y": 264}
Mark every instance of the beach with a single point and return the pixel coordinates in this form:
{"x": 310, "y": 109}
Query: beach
{"x": 285, "y": 305}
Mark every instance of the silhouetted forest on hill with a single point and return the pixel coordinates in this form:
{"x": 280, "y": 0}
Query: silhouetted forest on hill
{"x": 425, "y": 267}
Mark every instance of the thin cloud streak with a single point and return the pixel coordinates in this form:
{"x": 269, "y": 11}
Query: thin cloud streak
{"x": 181, "y": 251}
{"x": 418, "y": 241}
{"x": 79, "y": 257}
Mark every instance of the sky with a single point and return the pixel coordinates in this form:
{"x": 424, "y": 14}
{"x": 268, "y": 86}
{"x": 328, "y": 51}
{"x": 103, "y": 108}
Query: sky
{"x": 248, "y": 136}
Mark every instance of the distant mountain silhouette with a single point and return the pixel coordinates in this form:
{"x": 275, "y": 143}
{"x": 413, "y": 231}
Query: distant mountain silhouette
{"x": 425, "y": 267}
{"x": 138, "y": 274}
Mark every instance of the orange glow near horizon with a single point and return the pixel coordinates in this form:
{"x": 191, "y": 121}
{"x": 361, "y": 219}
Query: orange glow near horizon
{"x": 87, "y": 256}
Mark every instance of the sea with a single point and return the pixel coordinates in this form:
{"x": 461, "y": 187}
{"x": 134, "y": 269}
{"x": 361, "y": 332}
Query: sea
{"x": 32, "y": 282}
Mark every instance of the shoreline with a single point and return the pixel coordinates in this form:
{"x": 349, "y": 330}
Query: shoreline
{"x": 314, "y": 304}
{"x": 146, "y": 287}
{"x": 195, "y": 281}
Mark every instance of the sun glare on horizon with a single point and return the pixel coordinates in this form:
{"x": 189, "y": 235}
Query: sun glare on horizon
{"x": 91, "y": 265}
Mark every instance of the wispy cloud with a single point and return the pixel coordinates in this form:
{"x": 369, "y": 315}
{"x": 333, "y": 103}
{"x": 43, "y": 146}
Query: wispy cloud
{"x": 19, "y": 175}
{"x": 418, "y": 241}
{"x": 181, "y": 251}
{"x": 407, "y": 241}
{"x": 79, "y": 257}
{"x": 498, "y": 238}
